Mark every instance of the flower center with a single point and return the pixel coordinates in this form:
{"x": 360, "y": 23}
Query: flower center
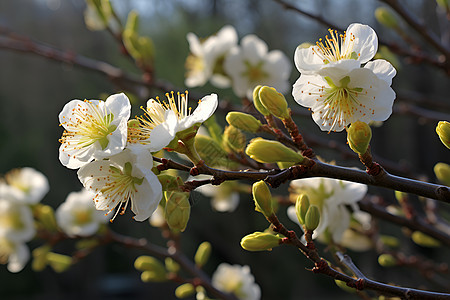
{"x": 254, "y": 73}
{"x": 194, "y": 64}
{"x": 13, "y": 178}
{"x": 120, "y": 187}
{"x": 87, "y": 125}
{"x": 82, "y": 217}
{"x": 12, "y": 219}
{"x": 338, "y": 103}
{"x": 333, "y": 48}
{"x": 155, "y": 114}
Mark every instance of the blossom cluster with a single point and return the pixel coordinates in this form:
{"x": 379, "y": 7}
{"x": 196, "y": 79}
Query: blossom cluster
{"x": 113, "y": 154}
{"x": 220, "y": 60}
{"x": 20, "y": 189}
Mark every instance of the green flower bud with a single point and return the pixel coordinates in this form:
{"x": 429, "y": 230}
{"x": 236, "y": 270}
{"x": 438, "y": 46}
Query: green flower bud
{"x": 184, "y": 290}
{"x": 443, "y": 130}
{"x": 59, "y": 262}
{"x": 401, "y": 196}
{"x": 210, "y": 151}
{"x": 387, "y": 260}
{"x": 285, "y": 164}
{"x": 46, "y": 215}
{"x": 177, "y": 210}
{"x": 390, "y": 241}
{"x": 243, "y": 121}
{"x": 170, "y": 183}
{"x": 171, "y": 265}
{"x": 260, "y": 241}
{"x": 234, "y": 138}
{"x": 40, "y": 258}
{"x": 262, "y": 198}
{"x": 203, "y": 253}
{"x": 266, "y": 151}
{"x": 132, "y": 21}
{"x": 386, "y": 17}
{"x": 301, "y": 207}
{"x": 152, "y": 276}
{"x": 274, "y": 102}
{"x": 424, "y": 240}
{"x": 149, "y": 263}
{"x": 257, "y": 101}
{"x": 358, "y": 136}
{"x": 312, "y": 218}
{"x": 442, "y": 171}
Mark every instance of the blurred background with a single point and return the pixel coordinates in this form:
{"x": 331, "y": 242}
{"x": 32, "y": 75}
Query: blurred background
{"x": 33, "y": 90}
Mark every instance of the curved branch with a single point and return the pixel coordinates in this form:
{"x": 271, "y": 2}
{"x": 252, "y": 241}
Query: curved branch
{"x": 182, "y": 260}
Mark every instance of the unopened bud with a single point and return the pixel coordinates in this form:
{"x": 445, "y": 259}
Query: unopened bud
{"x": 234, "y": 139}
{"x": 262, "y": 198}
{"x": 387, "y": 260}
{"x": 424, "y": 240}
{"x": 203, "y": 253}
{"x": 46, "y": 215}
{"x": 257, "y": 101}
{"x": 151, "y": 276}
{"x": 243, "y": 121}
{"x": 386, "y": 17}
{"x": 184, "y": 290}
{"x": 132, "y": 21}
{"x": 266, "y": 151}
{"x": 312, "y": 218}
{"x": 358, "y": 136}
{"x": 260, "y": 241}
{"x": 177, "y": 210}
{"x": 401, "y": 196}
{"x": 442, "y": 171}
{"x": 274, "y": 102}
{"x": 40, "y": 258}
{"x": 443, "y": 130}
{"x": 390, "y": 241}
{"x": 59, "y": 262}
{"x": 301, "y": 208}
{"x": 171, "y": 265}
{"x": 149, "y": 263}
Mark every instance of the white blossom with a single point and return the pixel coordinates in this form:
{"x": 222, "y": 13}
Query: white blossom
{"x": 77, "y": 215}
{"x": 162, "y": 120}
{"x": 238, "y": 280}
{"x": 331, "y": 196}
{"x": 121, "y": 179}
{"x": 347, "y": 51}
{"x": 338, "y": 100}
{"x": 14, "y": 253}
{"x": 224, "y": 197}
{"x": 335, "y": 87}
{"x": 16, "y": 219}
{"x": 206, "y": 59}
{"x": 27, "y": 185}
{"x": 251, "y": 64}
{"x": 94, "y": 129}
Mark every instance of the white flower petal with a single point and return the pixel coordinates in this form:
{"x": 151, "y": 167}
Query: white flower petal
{"x": 366, "y": 41}
{"x": 383, "y": 69}
{"x": 147, "y": 197}
{"x": 206, "y": 107}
{"x": 253, "y": 48}
{"x": 18, "y": 259}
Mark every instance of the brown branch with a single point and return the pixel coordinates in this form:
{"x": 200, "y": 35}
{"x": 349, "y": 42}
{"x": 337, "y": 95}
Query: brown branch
{"x": 420, "y": 27}
{"x": 359, "y": 283}
{"x": 416, "y": 224}
{"x": 180, "y": 258}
